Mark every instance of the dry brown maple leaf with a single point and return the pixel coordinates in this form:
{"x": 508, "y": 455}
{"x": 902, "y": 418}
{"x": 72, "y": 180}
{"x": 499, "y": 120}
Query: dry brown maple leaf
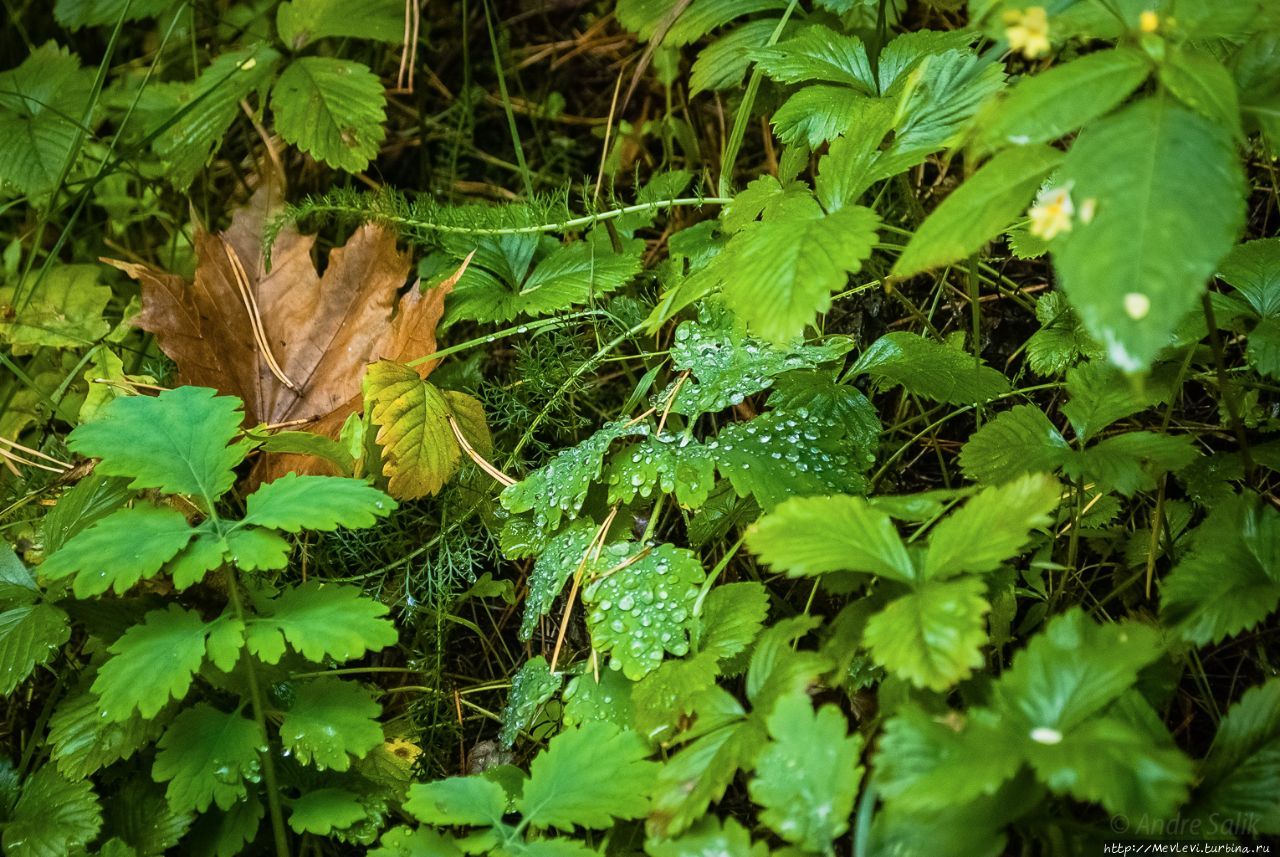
{"x": 319, "y": 331}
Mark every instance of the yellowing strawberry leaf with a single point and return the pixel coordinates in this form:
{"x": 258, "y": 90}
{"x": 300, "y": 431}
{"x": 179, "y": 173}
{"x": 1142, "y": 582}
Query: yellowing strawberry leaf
{"x": 420, "y": 451}
{"x": 206, "y": 756}
{"x": 65, "y": 311}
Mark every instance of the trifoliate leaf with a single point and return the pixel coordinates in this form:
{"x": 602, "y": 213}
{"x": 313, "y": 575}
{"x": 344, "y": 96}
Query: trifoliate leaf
{"x": 932, "y": 637}
{"x": 120, "y": 549}
{"x": 783, "y": 454}
{"x": 324, "y": 810}
{"x": 330, "y": 721}
{"x": 930, "y": 369}
{"x": 42, "y": 102}
{"x": 566, "y": 788}
{"x": 1230, "y": 581}
{"x": 65, "y": 311}
{"x": 531, "y": 687}
{"x": 558, "y": 489}
{"x": 587, "y": 700}
{"x": 1132, "y": 286}
{"x": 1056, "y": 101}
{"x": 570, "y": 275}
{"x": 321, "y": 622}
{"x": 642, "y": 605}
{"x": 472, "y": 801}
{"x": 979, "y": 210}
{"x": 779, "y": 274}
{"x": 991, "y": 528}
{"x": 672, "y": 462}
{"x": 53, "y": 816}
{"x": 727, "y": 368}
{"x": 815, "y": 535}
{"x": 420, "y": 452}
{"x": 930, "y": 764}
{"x": 819, "y": 54}
{"x": 1016, "y": 442}
{"x": 176, "y": 441}
{"x": 300, "y": 22}
{"x": 84, "y": 742}
{"x": 294, "y": 503}
{"x": 206, "y": 756}
{"x": 29, "y": 636}
{"x": 153, "y": 661}
{"x": 332, "y": 109}
{"x": 732, "y": 617}
{"x": 808, "y": 775}
{"x": 1242, "y": 769}
{"x": 551, "y": 571}
{"x": 1070, "y": 671}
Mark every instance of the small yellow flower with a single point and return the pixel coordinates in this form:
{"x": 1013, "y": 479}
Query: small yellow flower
{"x": 1148, "y": 21}
{"x": 1052, "y": 213}
{"x": 1028, "y": 31}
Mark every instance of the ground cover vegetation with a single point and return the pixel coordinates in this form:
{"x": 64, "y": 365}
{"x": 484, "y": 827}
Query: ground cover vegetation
{"x": 665, "y": 427}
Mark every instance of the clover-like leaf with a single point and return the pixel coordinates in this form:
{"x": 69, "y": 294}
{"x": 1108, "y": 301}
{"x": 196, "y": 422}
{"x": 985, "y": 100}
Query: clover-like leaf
{"x": 329, "y": 721}
{"x": 642, "y": 605}
{"x": 206, "y": 755}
